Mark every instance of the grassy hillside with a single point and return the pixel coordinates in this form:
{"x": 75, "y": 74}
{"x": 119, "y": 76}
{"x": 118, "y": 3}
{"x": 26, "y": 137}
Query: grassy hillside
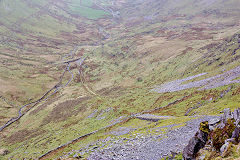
{"x": 126, "y": 56}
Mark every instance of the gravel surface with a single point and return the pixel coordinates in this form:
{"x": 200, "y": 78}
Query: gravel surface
{"x": 208, "y": 83}
{"x": 152, "y": 147}
{"x": 141, "y": 146}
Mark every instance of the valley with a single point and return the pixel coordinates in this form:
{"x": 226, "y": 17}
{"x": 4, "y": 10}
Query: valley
{"x": 114, "y": 79}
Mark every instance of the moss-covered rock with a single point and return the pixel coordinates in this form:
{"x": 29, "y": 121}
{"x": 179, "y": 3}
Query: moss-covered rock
{"x": 219, "y": 135}
{"x": 204, "y": 127}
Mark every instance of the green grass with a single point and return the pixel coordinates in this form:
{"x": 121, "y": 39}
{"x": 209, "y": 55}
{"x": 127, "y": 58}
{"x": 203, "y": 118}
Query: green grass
{"x": 85, "y": 9}
{"x": 87, "y": 3}
{"x": 113, "y": 64}
{"x": 87, "y": 12}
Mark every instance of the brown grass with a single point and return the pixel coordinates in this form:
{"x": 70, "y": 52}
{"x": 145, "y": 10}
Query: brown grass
{"x": 43, "y": 106}
{"x": 23, "y": 135}
{"x": 63, "y": 111}
{"x": 112, "y": 92}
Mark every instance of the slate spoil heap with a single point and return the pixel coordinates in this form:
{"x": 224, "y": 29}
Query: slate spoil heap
{"x": 218, "y": 137}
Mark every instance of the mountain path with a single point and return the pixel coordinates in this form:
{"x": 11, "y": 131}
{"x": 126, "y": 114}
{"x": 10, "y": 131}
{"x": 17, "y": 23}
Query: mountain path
{"x": 141, "y": 146}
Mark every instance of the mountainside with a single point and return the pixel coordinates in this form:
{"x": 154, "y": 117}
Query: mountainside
{"x": 114, "y": 79}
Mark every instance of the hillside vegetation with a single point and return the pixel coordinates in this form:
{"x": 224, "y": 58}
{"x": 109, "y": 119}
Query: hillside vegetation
{"x": 117, "y": 71}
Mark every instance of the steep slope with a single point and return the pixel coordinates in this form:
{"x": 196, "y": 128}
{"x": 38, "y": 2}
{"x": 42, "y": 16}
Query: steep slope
{"x": 127, "y": 49}
{"x": 133, "y": 132}
{"x": 35, "y": 37}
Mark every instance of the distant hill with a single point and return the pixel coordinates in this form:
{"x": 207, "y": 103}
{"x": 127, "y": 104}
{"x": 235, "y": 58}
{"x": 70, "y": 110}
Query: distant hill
{"x": 75, "y": 76}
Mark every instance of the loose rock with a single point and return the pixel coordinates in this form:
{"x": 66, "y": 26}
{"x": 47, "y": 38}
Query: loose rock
{"x": 226, "y": 115}
{"x": 213, "y": 123}
{"x": 224, "y": 148}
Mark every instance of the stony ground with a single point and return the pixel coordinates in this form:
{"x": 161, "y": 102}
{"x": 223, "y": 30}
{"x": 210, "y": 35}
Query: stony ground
{"x": 141, "y": 146}
{"x": 208, "y": 83}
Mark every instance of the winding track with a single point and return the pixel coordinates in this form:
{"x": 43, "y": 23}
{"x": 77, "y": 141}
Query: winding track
{"x": 45, "y": 96}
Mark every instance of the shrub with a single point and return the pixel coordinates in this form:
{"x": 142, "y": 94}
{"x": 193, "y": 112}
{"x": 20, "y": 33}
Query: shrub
{"x": 219, "y": 135}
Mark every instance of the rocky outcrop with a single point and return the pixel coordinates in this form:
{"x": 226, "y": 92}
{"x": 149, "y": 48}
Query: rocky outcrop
{"x": 213, "y": 123}
{"x": 218, "y": 133}
{"x": 197, "y": 142}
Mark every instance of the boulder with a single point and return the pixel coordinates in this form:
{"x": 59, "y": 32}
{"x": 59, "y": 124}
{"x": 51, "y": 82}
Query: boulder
{"x": 219, "y": 134}
{"x": 197, "y": 142}
{"x": 190, "y": 151}
{"x": 224, "y": 148}
{"x": 221, "y": 125}
{"x": 213, "y": 123}
{"x": 232, "y": 140}
{"x": 235, "y": 134}
{"x": 226, "y": 114}
{"x": 202, "y": 136}
{"x": 237, "y": 123}
{"x": 3, "y": 152}
{"x": 236, "y": 114}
